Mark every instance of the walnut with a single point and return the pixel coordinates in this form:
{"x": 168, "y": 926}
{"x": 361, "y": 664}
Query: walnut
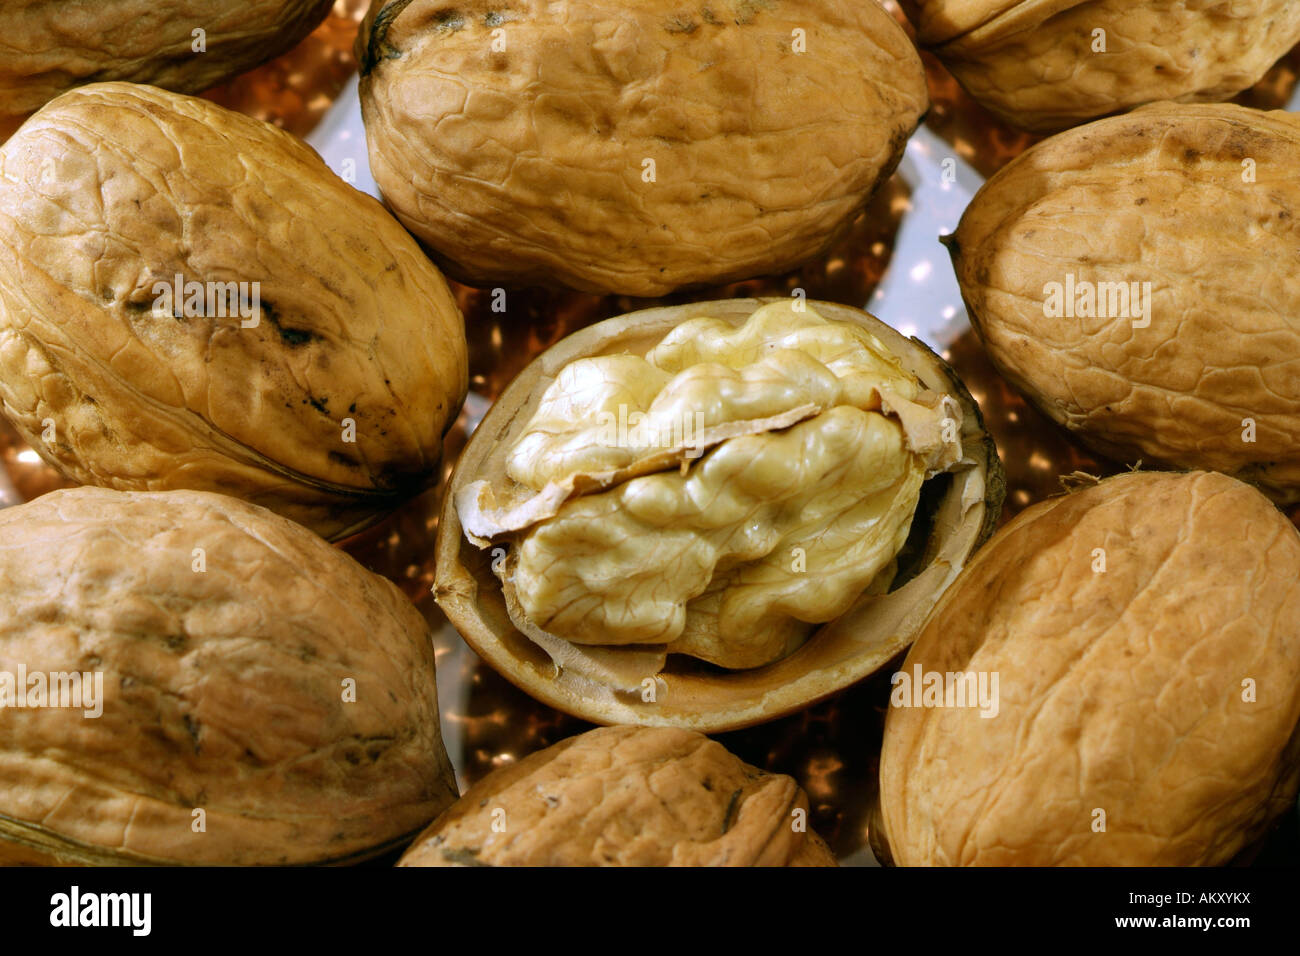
{"x": 190, "y": 298}
{"x": 626, "y": 796}
{"x": 1046, "y": 65}
{"x": 182, "y": 45}
{"x": 633, "y": 148}
{"x": 1145, "y": 637}
{"x": 262, "y": 699}
{"x": 1124, "y": 277}
{"x": 775, "y": 487}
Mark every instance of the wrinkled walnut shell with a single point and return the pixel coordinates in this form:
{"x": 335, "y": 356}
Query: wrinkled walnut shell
{"x": 1146, "y": 634}
{"x": 626, "y": 796}
{"x": 226, "y": 637}
{"x": 1200, "y": 201}
{"x": 49, "y": 47}
{"x": 330, "y": 409}
{"x": 1039, "y": 65}
{"x": 514, "y": 141}
{"x": 957, "y": 512}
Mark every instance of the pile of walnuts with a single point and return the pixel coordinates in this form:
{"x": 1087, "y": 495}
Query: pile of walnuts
{"x": 692, "y": 517}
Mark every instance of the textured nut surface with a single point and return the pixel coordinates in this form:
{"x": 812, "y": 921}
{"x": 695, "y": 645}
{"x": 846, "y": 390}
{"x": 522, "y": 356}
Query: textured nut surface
{"x": 1164, "y": 690}
{"x": 223, "y": 688}
{"x": 512, "y": 138}
{"x": 626, "y": 796}
{"x": 832, "y": 461}
{"x": 1203, "y": 203}
{"x": 114, "y": 188}
{"x": 49, "y": 46}
{"x": 1034, "y": 62}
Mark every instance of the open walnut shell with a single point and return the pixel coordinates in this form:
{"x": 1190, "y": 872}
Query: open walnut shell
{"x": 955, "y": 511}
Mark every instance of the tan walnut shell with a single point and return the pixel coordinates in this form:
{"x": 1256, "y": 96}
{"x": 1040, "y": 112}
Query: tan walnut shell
{"x": 1146, "y": 636}
{"x": 640, "y": 683}
{"x": 49, "y": 46}
{"x": 626, "y": 796}
{"x": 324, "y": 399}
{"x": 633, "y": 148}
{"x": 1201, "y": 202}
{"x": 1042, "y": 65}
{"x": 226, "y": 637}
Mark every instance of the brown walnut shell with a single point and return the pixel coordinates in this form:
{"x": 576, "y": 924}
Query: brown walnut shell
{"x": 957, "y": 511}
{"x": 515, "y": 139}
{"x": 50, "y": 46}
{"x": 326, "y": 403}
{"x": 626, "y": 796}
{"x": 1043, "y": 65}
{"x": 1146, "y": 636}
{"x": 226, "y": 637}
{"x": 1201, "y": 202}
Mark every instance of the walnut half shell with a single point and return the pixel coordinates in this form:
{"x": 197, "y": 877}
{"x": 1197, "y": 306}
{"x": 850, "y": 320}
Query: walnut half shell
{"x": 796, "y": 537}
{"x": 626, "y": 796}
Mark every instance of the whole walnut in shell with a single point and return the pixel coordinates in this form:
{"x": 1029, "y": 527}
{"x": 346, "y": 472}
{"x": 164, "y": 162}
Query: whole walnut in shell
{"x": 49, "y": 46}
{"x": 1145, "y": 636}
{"x": 633, "y": 148}
{"x": 626, "y": 796}
{"x": 1046, "y": 65}
{"x": 243, "y": 668}
{"x": 1126, "y": 277}
{"x": 777, "y": 488}
{"x": 320, "y": 386}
